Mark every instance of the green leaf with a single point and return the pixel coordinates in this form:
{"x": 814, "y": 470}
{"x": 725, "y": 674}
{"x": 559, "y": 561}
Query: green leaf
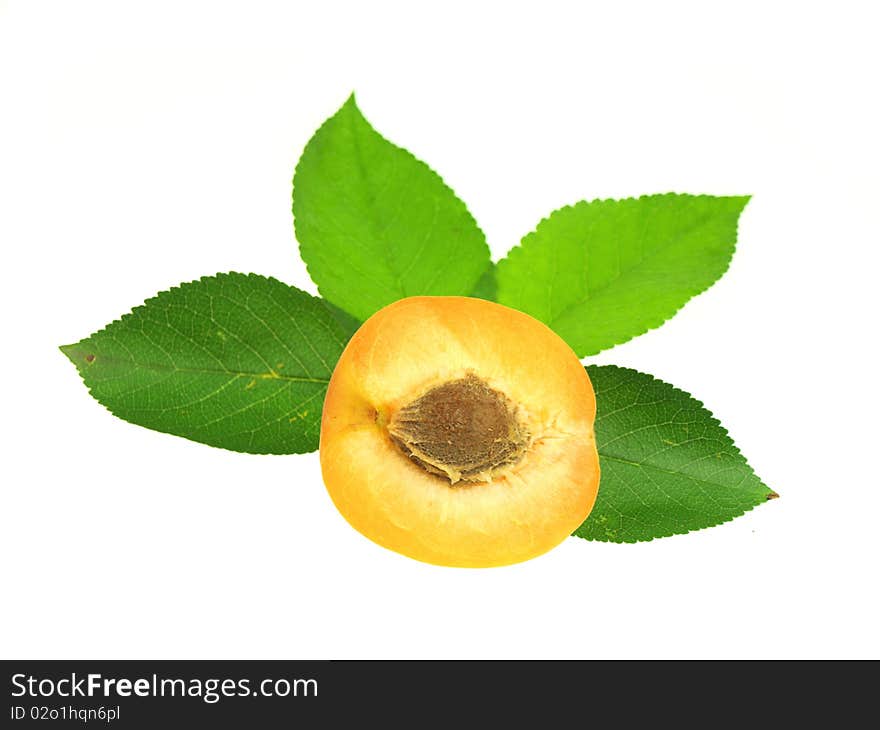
{"x": 238, "y": 361}
{"x": 348, "y": 323}
{"x": 602, "y": 272}
{"x": 375, "y": 224}
{"x": 487, "y": 286}
{"x": 668, "y": 466}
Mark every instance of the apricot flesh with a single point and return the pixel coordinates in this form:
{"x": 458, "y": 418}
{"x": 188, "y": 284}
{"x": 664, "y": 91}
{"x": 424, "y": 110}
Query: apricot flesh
{"x": 460, "y": 432}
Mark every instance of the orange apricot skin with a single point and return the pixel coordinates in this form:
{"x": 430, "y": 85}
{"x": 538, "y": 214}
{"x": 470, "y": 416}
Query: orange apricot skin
{"x": 414, "y": 344}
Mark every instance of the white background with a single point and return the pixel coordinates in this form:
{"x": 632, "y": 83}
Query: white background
{"x": 142, "y": 145}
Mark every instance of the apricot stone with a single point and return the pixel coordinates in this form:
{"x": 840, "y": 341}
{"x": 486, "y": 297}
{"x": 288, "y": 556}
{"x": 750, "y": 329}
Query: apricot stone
{"x": 460, "y": 432}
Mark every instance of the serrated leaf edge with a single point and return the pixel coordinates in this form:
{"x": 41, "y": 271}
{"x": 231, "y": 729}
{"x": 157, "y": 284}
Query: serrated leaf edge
{"x": 351, "y": 100}
{"x": 693, "y": 292}
{"x": 716, "y": 422}
{"x": 159, "y": 295}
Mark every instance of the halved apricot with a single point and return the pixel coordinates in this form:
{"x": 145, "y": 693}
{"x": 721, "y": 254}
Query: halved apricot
{"x": 460, "y": 432}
